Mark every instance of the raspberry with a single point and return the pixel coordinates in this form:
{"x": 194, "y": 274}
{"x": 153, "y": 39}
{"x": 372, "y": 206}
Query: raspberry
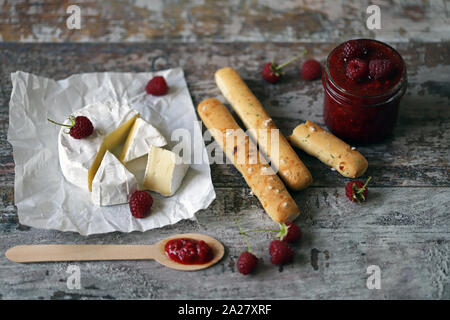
{"x": 270, "y": 72}
{"x": 157, "y": 86}
{"x": 357, "y": 69}
{"x": 380, "y": 68}
{"x": 140, "y": 203}
{"x": 294, "y": 233}
{"x": 357, "y": 190}
{"x": 311, "y": 70}
{"x": 80, "y": 127}
{"x": 247, "y": 262}
{"x": 280, "y": 252}
{"x": 353, "y": 49}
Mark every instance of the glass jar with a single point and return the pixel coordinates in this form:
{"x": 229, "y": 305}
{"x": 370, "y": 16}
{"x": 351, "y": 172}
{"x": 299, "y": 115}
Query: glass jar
{"x": 362, "y": 111}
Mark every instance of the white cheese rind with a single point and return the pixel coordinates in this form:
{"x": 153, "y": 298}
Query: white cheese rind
{"x": 164, "y": 172}
{"x": 76, "y": 156}
{"x": 113, "y": 183}
{"x": 142, "y": 136}
{"x": 179, "y": 172}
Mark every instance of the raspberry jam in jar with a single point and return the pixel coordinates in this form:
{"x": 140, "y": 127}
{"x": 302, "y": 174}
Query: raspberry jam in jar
{"x": 188, "y": 251}
{"x": 361, "y": 100}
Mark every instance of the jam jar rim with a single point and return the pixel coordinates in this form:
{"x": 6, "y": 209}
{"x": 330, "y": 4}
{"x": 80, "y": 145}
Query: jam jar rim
{"x": 398, "y": 90}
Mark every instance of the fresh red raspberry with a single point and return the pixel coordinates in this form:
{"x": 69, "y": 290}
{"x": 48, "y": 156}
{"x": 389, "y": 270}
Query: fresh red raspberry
{"x": 80, "y": 127}
{"x": 294, "y": 233}
{"x": 380, "y": 68}
{"x": 140, "y": 203}
{"x": 357, "y": 190}
{"x": 357, "y": 69}
{"x": 157, "y": 86}
{"x": 311, "y": 70}
{"x": 353, "y": 49}
{"x": 280, "y": 252}
{"x": 247, "y": 262}
{"x": 270, "y": 73}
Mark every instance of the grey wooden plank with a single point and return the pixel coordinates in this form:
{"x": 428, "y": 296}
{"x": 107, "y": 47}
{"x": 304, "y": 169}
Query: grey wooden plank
{"x": 407, "y": 237}
{"x": 236, "y": 20}
{"x": 416, "y": 155}
{"x": 403, "y": 228}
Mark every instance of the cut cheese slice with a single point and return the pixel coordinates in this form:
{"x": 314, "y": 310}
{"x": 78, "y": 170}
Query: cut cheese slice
{"x": 164, "y": 172}
{"x": 113, "y": 183}
{"x": 142, "y": 135}
{"x": 80, "y": 158}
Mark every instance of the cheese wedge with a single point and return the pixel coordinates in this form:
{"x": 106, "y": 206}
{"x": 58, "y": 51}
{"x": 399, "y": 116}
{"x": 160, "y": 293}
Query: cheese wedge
{"x": 142, "y": 135}
{"x": 113, "y": 183}
{"x": 164, "y": 172}
{"x": 80, "y": 158}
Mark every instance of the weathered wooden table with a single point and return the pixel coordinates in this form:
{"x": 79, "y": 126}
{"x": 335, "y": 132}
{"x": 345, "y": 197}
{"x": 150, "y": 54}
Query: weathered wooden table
{"x": 403, "y": 228}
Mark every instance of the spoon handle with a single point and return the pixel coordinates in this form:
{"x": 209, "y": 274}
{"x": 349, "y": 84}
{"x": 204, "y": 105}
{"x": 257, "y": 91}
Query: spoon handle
{"x": 85, "y": 252}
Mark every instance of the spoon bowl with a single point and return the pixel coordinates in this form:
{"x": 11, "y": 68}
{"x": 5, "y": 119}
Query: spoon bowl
{"x": 93, "y": 252}
{"x": 216, "y": 246}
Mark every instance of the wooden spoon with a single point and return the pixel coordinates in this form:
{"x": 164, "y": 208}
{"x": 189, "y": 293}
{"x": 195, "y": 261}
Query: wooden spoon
{"x": 94, "y": 252}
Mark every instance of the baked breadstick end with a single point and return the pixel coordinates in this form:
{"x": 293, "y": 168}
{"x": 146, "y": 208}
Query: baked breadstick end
{"x": 262, "y": 180}
{"x": 329, "y": 149}
{"x": 261, "y": 127}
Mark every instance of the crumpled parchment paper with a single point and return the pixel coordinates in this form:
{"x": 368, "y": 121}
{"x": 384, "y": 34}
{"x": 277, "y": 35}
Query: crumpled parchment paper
{"x": 43, "y": 197}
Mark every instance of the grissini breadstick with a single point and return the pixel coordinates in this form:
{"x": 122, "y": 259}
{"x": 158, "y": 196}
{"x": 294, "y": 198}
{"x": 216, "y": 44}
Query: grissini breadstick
{"x": 249, "y": 109}
{"x": 329, "y": 149}
{"x": 260, "y": 177}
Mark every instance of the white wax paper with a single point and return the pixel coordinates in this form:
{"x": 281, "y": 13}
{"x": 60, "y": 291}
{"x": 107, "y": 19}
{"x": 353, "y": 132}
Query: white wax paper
{"x": 43, "y": 197}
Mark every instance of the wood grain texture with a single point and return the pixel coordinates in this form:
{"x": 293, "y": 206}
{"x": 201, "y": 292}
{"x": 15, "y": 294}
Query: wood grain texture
{"x": 235, "y": 20}
{"x": 403, "y": 228}
{"x": 411, "y": 247}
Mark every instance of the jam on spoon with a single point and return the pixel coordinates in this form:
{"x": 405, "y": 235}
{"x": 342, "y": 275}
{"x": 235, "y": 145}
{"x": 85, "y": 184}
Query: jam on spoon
{"x": 188, "y": 251}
